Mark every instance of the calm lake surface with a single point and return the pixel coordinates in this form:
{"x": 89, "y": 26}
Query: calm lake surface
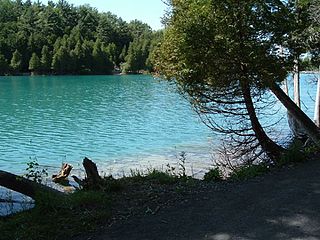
{"x": 118, "y": 121}
{"x": 111, "y": 119}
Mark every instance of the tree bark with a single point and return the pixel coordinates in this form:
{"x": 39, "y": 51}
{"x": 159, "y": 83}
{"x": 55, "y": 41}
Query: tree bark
{"x": 296, "y": 81}
{"x": 317, "y": 106}
{"x": 24, "y": 186}
{"x": 309, "y": 126}
{"x": 63, "y": 174}
{"x": 93, "y": 178}
{"x": 273, "y": 150}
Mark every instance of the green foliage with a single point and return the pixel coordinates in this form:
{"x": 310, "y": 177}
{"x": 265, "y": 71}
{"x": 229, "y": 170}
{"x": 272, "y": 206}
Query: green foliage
{"x": 152, "y": 175}
{"x": 32, "y": 27}
{"x": 59, "y": 217}
{"x": 34, "y": 63}
{"x": 45, "y": 59}
{"x": 213, "y": 175}
{"x": 248, "y": 171}
{"x": 60, "y": 61}
{"x": 295, "y": 153}
{"x": 160, "y": 177}
{"x": 4, "y": 67}
{"x": 16, "y": 61}
{"x": 35, "y": 172}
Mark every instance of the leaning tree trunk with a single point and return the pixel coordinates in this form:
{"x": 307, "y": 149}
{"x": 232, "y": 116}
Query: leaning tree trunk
{"x": 317, "y": 105}
{"x": 296, "y": 82}
{"x": 273, "y": 150}
{"x": 24, "y": 186}
{"x": 309, "y": 126}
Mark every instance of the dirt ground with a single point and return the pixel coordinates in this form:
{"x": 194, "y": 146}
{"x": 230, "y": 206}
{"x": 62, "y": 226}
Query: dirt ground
{"x": 284, "y": 204}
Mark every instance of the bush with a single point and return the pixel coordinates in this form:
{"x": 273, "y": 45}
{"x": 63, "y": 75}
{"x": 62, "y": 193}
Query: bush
{"x": 249, "y": 171}
{"x": 295, "y": 153}
{"x": 213, "y": 175}
{"x": 160, "y": 177}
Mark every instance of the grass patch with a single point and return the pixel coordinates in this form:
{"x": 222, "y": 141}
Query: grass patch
{"x": 153, "y": 175}
{"x": 58, "y": 217}
{"x": 248, "y": 171}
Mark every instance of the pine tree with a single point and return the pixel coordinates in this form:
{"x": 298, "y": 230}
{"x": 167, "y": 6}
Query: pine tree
{"x": 34, "y": 63}
{"x": 60, "y": 61}
{"x": 16, "y": 61}
{"x": 46, "y": 59}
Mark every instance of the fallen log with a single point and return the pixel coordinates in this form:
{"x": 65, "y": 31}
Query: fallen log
{"x": 31, "y": 188}
{"x": 25, "y": 186}
{"x": 63, "y": 174}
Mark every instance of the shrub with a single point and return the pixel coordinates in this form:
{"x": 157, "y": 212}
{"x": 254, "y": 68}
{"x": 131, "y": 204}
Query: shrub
{"x": 249, "y": 171}
{"x": 213, "y": 175}
{"x": 295, "y": 153}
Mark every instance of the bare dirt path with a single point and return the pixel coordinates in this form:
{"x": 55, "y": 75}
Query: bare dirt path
{"x": 284, "y": 204}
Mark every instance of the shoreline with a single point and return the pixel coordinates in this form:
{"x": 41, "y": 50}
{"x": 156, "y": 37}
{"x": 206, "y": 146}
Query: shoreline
{"x": 112, "y": 74}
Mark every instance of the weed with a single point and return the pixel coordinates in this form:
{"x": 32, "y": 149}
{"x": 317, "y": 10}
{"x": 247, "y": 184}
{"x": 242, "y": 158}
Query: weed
{"x": 58, "y": 217}
{"x": 161, "y": 177}
{"x": 295, "y": 153}
{"x": 34, "y": 172}
{"x": 182, "y": 162}
{"x": 249, "y": 171}
{"x": 213, "y": 175}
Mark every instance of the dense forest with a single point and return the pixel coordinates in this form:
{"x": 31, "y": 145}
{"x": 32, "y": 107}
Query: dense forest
{"x": 60, "y": 38}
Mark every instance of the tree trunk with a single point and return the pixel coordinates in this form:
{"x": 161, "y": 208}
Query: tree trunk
{"x": 317, "y": 106}
{"x": 24, "y": 186}
{"x": 273, "y": 150}
{"x": 286, "y": 88}
{"x": 309, "y": 126}
{"x": 296, "y": 82}
{"x": 93, "y": 177}
{"x": 63, "y": 174}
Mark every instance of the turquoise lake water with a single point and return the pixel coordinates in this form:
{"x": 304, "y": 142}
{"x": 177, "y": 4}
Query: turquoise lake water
{"x": 111, "y": 119}
{"x": 114, "y": 120}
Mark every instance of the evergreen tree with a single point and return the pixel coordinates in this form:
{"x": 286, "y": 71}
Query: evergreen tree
{"x": 60, "y": 61}
{"x": 16, "y": 61}
{"x": 34, "y": 63}
{"x": 45, "y": 59}
{"x": 102, "y": 64}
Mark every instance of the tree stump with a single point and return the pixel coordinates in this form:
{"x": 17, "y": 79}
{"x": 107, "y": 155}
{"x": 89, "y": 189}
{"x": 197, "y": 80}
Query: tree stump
{"x": 63, "y": 174}
{"x": 93, "y": 178}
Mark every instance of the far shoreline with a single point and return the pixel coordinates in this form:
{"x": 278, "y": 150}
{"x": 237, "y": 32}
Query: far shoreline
{"x": 29, "y": 74}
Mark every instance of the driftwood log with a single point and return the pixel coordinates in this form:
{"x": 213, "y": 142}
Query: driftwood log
{"x": 31, "y": 188}
{"x": 24, "y": 186}
{"x": 63, "y": 174}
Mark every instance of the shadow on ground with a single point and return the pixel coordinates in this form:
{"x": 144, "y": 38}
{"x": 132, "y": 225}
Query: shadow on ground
{"x": 281, "y": 205}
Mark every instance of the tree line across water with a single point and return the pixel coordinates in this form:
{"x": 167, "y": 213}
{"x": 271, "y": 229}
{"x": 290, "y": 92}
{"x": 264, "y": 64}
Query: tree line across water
{"x": 60, "y": 38}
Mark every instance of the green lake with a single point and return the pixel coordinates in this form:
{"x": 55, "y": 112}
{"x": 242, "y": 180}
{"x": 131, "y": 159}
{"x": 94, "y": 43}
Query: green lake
{"x": 120, "y": 122}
